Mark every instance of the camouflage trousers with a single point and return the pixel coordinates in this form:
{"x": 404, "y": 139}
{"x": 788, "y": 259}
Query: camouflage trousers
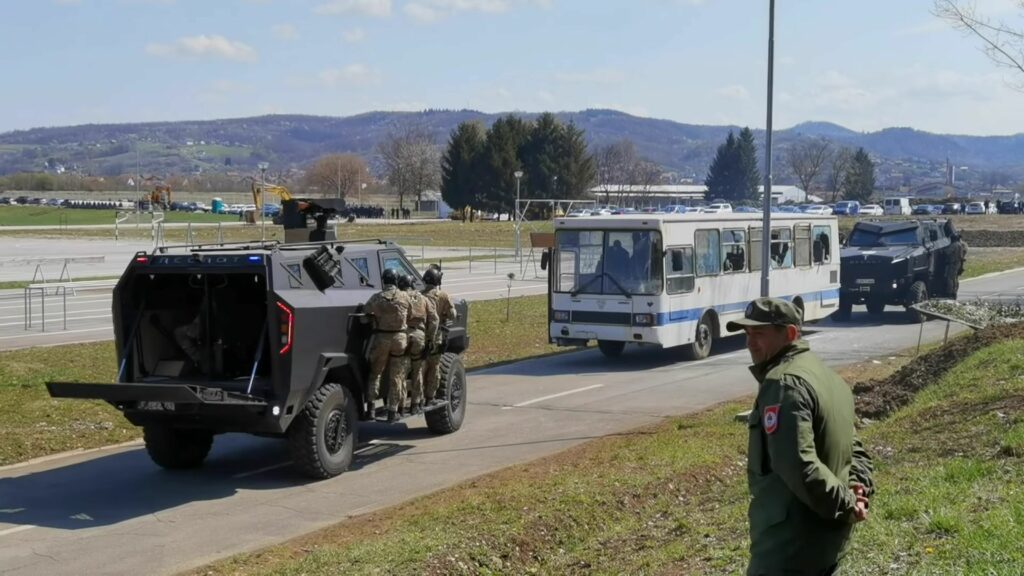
{"x": 417, "y": 342}
{"x": 387, "y": 350}
{"x": 432, "y": 373}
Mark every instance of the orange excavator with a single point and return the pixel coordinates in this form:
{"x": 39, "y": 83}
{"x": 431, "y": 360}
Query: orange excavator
{"x": 161, "y": 196}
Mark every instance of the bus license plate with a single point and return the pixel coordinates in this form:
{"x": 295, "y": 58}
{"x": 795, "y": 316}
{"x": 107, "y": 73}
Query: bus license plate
{"x": 865, "y": 280}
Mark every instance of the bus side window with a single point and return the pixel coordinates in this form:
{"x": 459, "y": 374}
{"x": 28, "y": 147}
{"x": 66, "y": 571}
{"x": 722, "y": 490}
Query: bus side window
{"x": 734, "y": 248}
{"x": 709, "y": 252}
{"x": 679, "y": 270}
{"x": 781, "y": 255}
{"x": 802, "y": 245}
{"x": 822, "y": 245}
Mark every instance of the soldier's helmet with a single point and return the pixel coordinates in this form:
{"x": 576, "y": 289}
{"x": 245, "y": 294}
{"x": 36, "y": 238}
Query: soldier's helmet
{"x": 405, "y": 281}
{"x": 389, "y": 277}
{"x": 432, "y": 277}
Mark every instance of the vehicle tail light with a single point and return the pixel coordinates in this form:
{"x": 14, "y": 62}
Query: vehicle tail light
{"x": 561, "y": 316}
{"x": 287, "y": 328}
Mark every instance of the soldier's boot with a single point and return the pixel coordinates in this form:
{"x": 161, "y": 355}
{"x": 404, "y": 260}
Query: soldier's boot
{"x": 416, "y": 409}
{"x": 392, "y": 416}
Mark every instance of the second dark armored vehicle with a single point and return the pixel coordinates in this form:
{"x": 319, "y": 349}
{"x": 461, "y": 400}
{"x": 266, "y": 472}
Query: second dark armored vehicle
{"x": 262, "y": 338}
{"x": 897, "y": 263}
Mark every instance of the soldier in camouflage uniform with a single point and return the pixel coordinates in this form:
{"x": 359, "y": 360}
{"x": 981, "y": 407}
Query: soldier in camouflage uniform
{"x": 390, "y": 311}
{"x": 956, "y": 256}
{"x": 422, "y": 330}
{"x": 445, "y": 314}
{"x": 809, "y": 476}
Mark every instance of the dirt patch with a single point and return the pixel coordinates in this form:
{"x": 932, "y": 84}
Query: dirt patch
{"x": 877, "y": 398}
{"x": 993, "y": 238}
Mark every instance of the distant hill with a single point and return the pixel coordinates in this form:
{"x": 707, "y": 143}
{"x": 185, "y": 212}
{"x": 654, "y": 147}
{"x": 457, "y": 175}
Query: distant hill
{"x": 292, "y": 141}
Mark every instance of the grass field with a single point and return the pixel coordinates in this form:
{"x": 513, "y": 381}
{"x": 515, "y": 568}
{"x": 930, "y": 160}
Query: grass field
{"x": 32, "y": 424}
{"x": 53, "y": 216}
{"x": 671, "y": 499}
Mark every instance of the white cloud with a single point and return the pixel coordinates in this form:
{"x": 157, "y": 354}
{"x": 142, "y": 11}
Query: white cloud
{"x": 285, "y": 32}
{"x": 545, "y": 96}
{"x": 599, "y": 76}
{"x": 378, "y": 8}
{"x": 353, "y": 35}
{"x": 434, "y": 10}
{"x": 204, "y": 46}
{"x": 351, "y": 75}
{"x": 734, "y": 92}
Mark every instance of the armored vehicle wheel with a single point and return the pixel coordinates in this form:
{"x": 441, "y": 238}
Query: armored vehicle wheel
{"x": 322, "y": 437}
{"x": 918, "y": 293}
{"x": 448, "y": 418}
{"x": 700, "y": 348}
{"x": 876, "y": 307}
{"x": 177, "y": 448}
{"x": 611, "y": 348}
{"x": 844, "y": 312}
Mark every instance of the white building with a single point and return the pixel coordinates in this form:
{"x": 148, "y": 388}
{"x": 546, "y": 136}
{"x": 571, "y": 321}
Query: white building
{"x": 687, "y": 194}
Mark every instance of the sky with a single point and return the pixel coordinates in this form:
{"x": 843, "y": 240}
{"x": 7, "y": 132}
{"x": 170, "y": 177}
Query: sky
{"x": 866, "y": 65}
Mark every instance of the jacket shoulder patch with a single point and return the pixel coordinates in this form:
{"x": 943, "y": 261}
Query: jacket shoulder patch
{"x": 771, "y": 418}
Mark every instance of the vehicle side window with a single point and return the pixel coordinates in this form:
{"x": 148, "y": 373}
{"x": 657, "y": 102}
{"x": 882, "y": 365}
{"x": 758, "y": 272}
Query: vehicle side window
{"x": 708, "y": 251}
{"x": 734, "y": 251}
{"x": 802, "y": 245}
{"x": 755, "y": 249}
{"x": 396, "y": 263}
{"x": 781, "y": 250}
{"x": 822, "y": 242}
{"x": 679, "y": 270}
{"x": 363, "y": 265}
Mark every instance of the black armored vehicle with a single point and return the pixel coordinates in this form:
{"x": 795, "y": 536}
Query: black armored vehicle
{"x": 257, "y": 337}
{"x": 898, "y": 263}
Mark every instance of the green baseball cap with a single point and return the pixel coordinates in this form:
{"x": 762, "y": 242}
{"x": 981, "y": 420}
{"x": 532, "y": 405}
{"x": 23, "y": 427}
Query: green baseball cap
{"x": 767, "y": 312}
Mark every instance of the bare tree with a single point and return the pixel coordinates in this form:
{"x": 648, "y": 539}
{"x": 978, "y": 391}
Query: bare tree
{"x": 839, "y": 164}
{"x": 806, "y": 159}
{"x": 645, "y": 174}
{"x": 337, "y": 174}
{"x": 412, "y": 163}
{"x": 1002, "y": 43}
{"x": 615, "y": 167}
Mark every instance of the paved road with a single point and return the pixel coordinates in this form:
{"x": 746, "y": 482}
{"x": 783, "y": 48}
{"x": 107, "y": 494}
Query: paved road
{"x": 72, "y": 514}
{"x": 86, "y": 315}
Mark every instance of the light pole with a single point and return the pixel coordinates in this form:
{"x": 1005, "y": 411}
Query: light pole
{"x": 766, "y": 206}
{"x": 518, "y": 174}
{"x": 263, "y": 186}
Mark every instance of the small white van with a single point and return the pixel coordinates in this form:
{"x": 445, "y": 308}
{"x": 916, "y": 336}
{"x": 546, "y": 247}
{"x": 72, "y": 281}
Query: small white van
{"x": 896, "y": 206}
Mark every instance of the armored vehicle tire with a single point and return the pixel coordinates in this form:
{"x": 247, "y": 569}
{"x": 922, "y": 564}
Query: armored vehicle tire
{"x": 918, "y": 293}
{"x": 611, "y": 348}
{"x": 700, "y": 348}
{"x": 177, "y": 448}
{"x": 844, "y": 312}
{"x": 448, "y": 418}
{"x": 322, "y": 437}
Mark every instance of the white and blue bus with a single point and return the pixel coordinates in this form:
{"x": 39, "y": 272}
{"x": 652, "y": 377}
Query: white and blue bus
{"x": 676, "y": 279}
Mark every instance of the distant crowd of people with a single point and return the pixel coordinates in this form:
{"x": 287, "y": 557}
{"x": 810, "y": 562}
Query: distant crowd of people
{"x": 352, "y": 211}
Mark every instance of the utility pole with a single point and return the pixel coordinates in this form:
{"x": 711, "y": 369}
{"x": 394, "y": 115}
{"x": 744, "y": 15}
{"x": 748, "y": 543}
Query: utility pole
{"x": 766, "y": 205}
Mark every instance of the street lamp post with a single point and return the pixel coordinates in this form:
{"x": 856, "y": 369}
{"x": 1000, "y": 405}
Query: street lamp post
{"x": 766, "y": 202}
{"x": 263, "y": 186}
{"x": 518, "y": 174}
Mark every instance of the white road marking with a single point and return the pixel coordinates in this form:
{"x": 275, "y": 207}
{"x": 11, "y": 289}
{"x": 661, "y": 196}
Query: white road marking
{"x": 55, "y": 313}
{"x": 559, "y": 395}
{"x": 500, "y": 291}
{"x": 36, "y": 301}
{"x": 264, "y": 469}
{"x": 57, "y": 320}
{"x": 17, "y": 529}
{"x": 30, "y": 334}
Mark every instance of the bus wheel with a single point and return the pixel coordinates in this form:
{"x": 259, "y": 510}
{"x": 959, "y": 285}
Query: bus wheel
{"x": 700, "y": 348}
{"x": 611, "y": 348}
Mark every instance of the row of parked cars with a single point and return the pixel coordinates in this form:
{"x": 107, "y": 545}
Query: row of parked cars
{"x": 715, "y": 208}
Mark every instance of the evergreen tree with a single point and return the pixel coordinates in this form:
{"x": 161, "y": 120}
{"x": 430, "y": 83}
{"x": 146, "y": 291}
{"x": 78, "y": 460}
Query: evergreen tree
{"x": 750, "y": 176}
{"x": 859, "y": 181}
{"x": 578, "y": 172}
{"x": 541, "y": 156}
{"x": 500, "y": 160}
{"x": 722, "y": 177}
{"x": 460, "y": 166}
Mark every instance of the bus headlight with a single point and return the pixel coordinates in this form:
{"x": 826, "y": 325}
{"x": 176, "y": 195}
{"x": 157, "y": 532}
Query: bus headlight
{"x": 643, "y": 319}
{"x": 561, "y": 316}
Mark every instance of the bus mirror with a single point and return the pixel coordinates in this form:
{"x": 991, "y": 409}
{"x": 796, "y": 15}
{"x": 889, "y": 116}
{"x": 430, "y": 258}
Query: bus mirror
{"x": 545, "y": 258}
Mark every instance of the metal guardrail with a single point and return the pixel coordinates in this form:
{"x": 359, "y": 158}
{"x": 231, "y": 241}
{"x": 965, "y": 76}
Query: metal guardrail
{"x": 61, "y": 289}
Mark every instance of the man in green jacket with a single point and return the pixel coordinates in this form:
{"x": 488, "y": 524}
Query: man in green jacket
{"x": 809, "y": 476}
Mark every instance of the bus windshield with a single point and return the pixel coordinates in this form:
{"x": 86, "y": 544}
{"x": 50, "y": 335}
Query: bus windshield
{"x": 623, "y": 262}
